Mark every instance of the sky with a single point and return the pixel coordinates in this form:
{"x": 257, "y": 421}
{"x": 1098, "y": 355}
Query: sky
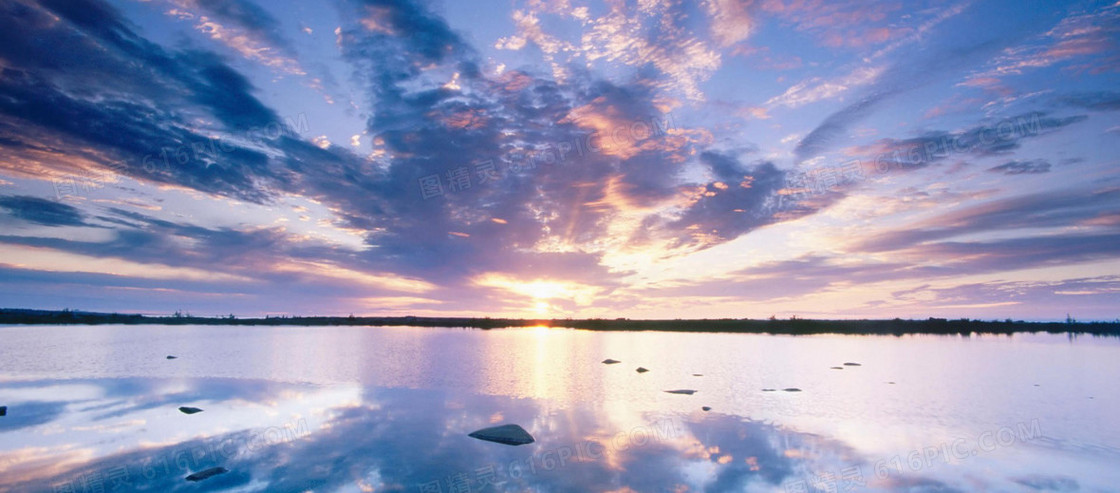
{"x": 562, "y": 158}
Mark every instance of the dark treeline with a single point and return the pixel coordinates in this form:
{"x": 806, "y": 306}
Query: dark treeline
{"x": 772, "y": 326}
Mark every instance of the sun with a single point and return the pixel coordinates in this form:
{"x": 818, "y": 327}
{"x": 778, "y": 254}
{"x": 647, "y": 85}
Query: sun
{"x": 539, "y": 294}
{"x": 543, "y": 290}
{"x": 541, "y": 308}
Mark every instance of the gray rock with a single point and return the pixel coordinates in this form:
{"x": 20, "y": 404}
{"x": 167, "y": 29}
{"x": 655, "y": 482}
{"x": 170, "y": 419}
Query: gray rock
{"x": 213, "y": 471}
{"x": 609, "y": 361}
{"x": 792, "y": 389}
{"x": 171, "y": 357}
{"x": 706, "y": 408}
{"x": 641, "y": 370}
{"x": 768, "y": 390}
{"x": 837, "y": 368}
{"x": 189, "y": 410}
{"x": 697, "y": 374}
{"x": 508, "y": 434}
{"x": 852, "y": 364}
{"x": 681, "y": 391}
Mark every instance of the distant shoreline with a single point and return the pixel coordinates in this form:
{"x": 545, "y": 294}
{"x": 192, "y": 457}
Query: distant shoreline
{"x": 793, "y": 326}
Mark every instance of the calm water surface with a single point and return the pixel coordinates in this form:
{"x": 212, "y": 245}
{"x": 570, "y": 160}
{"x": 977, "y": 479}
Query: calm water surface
{"x": 389, "y": 409}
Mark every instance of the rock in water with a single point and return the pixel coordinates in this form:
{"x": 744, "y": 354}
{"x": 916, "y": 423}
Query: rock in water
{"x": 852, "y": 364}
{"x": 681, "y": 391}
{"x": 171, "y": 357}
{"x": 213, "y": 471}
{"x": 507, "y": 434}
{"x": 3, "y": 410}
{"x": 706, "y": 408}
{"x": 609, "y": 361}
{"x": 189, "y": 410}
{"x": 792, "y": 389}
{"x": 767, "y": 390}
{"x": 837, "y": 368}
{"x": 641, "y": 370}
{"x": 697, "y": 374}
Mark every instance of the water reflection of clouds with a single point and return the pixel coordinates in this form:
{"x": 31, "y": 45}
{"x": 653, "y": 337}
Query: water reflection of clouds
{"x": 382, "y": 439}
{"x": 32, "y": 413}
{"x": 125, "y": 435}
{"x": 416, "y": 440}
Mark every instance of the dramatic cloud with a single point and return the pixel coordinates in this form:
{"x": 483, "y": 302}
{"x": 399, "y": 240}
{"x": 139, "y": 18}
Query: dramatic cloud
{"x": 651, "y": 37}
{"x": 40, "y": 211}
{"x": 561, "y": 159}
{"x": 730, "y": 205}
{"x": 1083, "y": 41}
{"x": 986, "y": 139}
{"x": 843, "y": 23}
{"x": 1048, "y": 209}
{"x": 898, "y": 79}
{"x": 1100, "y": 101}
{"x": 1022, "y": 167}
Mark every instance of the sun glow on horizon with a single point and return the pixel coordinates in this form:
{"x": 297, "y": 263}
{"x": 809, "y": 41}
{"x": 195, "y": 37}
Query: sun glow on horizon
{"x": 541, "y": 308}
{"x": 539, "y": 293}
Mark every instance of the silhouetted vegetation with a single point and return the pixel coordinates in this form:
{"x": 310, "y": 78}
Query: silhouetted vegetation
{"x": 794, "y": 325}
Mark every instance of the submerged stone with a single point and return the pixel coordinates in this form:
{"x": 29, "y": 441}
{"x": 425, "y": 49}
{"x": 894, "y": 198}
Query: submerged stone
{"x": 641, "y": 370}
{"x": 609, "y": 361}
{"x": 189, "y": 410}
{"x": 508, "y": 434}
{"x": 213, "y": 471}
{"x": 681, "y": 391}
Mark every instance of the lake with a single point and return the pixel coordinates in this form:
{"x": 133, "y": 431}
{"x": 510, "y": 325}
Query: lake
{"x": 351, "y": 409}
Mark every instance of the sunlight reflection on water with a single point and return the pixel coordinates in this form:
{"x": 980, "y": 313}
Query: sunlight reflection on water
{"x": 347, "y": 408}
